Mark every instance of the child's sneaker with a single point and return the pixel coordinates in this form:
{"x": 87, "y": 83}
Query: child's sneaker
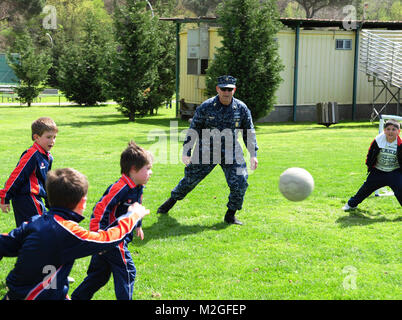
{"x": 347, "y": 207}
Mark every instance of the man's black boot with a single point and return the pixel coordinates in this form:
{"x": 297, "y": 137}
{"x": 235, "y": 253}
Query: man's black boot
{"x": 166, "y": 206}
{"x": 230, "y": 217}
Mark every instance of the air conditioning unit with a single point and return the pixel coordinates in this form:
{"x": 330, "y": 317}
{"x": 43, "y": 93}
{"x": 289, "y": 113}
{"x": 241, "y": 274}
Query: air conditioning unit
{"x": 198, "y": 43}
{"x": 197, "y": 50}
{"x": 204, "y": 43}
{"x": 327, "y": 113}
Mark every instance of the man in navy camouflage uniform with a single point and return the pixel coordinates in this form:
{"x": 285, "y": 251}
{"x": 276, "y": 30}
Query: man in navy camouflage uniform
{"x": 214, "y": 127}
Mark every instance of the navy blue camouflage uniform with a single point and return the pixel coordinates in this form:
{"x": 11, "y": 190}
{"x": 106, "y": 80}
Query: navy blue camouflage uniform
{"x": 214, "y": 128}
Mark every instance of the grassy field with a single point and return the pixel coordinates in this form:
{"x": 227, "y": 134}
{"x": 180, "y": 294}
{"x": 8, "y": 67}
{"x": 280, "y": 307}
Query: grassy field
{"x": 285, "y": 250}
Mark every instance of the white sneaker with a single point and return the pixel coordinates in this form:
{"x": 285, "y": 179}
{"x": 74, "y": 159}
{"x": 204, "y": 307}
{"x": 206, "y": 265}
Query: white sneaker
{"x": 347, "y": 207}
{"x": 70, "y": 280}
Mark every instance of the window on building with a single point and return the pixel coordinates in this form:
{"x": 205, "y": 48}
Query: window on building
{"x": 204, "y": 66}
{"x": 343, "y": 44}
{"x": 192, "y": 66}
{"x": 197, "y": 51}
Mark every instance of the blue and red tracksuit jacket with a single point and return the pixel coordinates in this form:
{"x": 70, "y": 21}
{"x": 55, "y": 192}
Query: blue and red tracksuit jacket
{"x": 46, "y": 247}
{"x": 114, "y": 203}
{"x": 29, "y": 176}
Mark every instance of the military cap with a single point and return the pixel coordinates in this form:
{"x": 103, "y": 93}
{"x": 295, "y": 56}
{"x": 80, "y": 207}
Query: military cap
{"x": 227, "y": 82}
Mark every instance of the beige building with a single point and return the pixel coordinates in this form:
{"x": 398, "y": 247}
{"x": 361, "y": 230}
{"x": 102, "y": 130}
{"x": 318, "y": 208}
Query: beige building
{"x": 321, "y": 65}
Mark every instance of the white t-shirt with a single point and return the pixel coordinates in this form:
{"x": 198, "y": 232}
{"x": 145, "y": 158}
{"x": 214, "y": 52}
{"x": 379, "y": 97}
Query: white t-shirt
{"x": 387, "y": 160}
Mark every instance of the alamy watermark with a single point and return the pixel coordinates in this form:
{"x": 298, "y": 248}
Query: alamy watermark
{"x": 349, "y": 21}
{"x": 49, "y": 22}
{"x": 50, "y": 280}
{"x": 349, "y": 282}
{"x": 218, "y": 146}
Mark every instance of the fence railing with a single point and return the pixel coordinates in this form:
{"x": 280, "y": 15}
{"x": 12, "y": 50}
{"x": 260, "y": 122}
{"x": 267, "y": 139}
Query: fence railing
{"x": 8, "y": 95}
{"x": 381, "y": 55}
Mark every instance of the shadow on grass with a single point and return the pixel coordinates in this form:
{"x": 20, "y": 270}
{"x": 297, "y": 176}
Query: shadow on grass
{"x": 51, "y": 105}
{"x": 162, "y": 122}
{"x": 115, "y": 119}
{"x": 14, "y": 106}
{"x": 360, "y": 217}
{"x": 289, "y": 127}
{"x": 76, "y": 106}
{"x": 167, "y": 227}
{"x": 95, "y": 122}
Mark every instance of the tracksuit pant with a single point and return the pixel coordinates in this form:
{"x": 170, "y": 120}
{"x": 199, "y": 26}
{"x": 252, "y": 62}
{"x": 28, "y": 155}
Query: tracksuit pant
{"x": 117, "y": 261}
{"x": 376, "y": 180}
{"x": 26, "y": 206}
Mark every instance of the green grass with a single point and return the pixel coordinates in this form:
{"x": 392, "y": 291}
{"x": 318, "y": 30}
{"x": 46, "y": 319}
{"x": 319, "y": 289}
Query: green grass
{"x": 285, "y": 250}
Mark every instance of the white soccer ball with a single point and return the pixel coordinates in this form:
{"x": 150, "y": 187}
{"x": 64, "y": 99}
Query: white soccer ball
{"x": 296, "y": 184}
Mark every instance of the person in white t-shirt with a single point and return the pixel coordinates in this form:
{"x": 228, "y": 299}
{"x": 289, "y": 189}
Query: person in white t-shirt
{"x": 384, "y": 163}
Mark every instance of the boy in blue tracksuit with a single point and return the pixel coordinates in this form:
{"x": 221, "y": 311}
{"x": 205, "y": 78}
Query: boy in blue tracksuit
{"x": 26, "y": 184}
{"x": 47, "y": 245}
{"x": 135, "y": 163}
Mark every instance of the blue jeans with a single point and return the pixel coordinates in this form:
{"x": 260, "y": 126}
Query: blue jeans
{"x": 376, "y": 180}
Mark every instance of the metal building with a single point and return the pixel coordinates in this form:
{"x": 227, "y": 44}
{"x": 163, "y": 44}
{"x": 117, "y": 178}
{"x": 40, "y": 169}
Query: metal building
{"x": 321, "y": 61}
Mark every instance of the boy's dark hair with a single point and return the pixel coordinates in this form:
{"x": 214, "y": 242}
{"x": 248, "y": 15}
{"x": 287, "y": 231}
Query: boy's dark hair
{"x": 135, "y": 156}
{"x": 65, "y": 188}
{"x": 392, "y": 122}
{"x": 43, "y": 124}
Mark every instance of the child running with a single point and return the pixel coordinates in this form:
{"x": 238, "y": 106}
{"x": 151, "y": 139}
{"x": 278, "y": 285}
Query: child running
{"x": 26, "y": 185}
{"x": 47, "y": 245}
{"x": 136, "y": 164}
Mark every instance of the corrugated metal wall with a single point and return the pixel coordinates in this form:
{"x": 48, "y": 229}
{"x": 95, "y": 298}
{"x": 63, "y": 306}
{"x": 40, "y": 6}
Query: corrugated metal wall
{"x": 191, "y": 86}
{"x": 325, "y": 74}
{"x": 286, "y": 42}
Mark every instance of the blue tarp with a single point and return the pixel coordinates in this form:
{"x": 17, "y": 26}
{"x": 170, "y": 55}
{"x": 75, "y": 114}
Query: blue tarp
{"x": 6, "y": 73}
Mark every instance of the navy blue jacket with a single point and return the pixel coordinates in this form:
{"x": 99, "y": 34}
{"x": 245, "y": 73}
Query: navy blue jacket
{"x": 114, "y": 203}
{"x": 46, "y": 247}
{"x": 214, "y": 123}
{"x": 29, "y": 176}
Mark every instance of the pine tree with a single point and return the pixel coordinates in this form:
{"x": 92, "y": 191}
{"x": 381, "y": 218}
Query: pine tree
{"x": 249, "y": 52}
{"x": 164, "y": 86}
{"x": 134, "y": 67}
{"x": 84, "y": 66}
{"x": 30, "y": 65}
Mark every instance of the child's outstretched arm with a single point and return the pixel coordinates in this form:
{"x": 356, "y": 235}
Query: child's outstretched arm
{"x": 10, "y": 243}
{"x": 90, "y": 242}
